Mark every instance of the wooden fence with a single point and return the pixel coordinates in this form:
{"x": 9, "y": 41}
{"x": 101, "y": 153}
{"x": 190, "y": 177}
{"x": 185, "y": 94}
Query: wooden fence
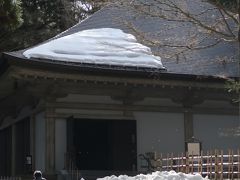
{"x": 214, "y": 164}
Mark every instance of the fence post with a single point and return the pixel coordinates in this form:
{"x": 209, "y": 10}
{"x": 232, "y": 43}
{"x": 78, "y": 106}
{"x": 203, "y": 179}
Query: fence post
{"x": 232, "y": 164}
{"x": 207, "y": 163}
{"x": 221, "y": 164}
{"x": 238, "y": 163}
{"x": 200, "y": 164}
{"x": 192, "y": 163}
{"x": 161, "y": 161}
{"x": 187, "y": 163}
{"x": 216, "y": 164}
{"x": 171, "y": 161}
{"x": 178, "y": 162}
{"x": 202, "y": 154}
{"x": 167, "y": 162}
{"x": 229, "y": 161}
{"x": 211, "y": 161}
{"x": 182, "y": 168}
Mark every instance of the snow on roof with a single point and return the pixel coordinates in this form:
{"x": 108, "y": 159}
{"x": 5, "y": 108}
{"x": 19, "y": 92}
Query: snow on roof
{"x": 171, "y": 175}
{"x": 104, "y": 46}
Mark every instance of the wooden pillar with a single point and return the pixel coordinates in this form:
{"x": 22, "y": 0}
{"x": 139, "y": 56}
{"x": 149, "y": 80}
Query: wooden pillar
{"x": 32, "y": 140}
{"x": 13, "y": 163}
{"x": 188, "y": 125}
{"x": 50, "y": 141}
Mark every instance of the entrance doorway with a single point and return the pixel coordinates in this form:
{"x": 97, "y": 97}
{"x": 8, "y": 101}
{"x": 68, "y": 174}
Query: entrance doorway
{"x": 103, "y": 144}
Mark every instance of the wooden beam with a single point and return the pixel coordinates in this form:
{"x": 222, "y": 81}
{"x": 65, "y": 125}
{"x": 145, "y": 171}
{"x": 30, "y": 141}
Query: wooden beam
{"x": 143, "y": 108}
{"x": 178, "y": 95}
{"x": 25, "y": 73}
{"x": 188, "y": 125}
{"x": 41, "y": 82}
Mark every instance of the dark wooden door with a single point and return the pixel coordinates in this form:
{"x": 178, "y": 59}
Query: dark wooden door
{"x": 104, "y": 144}
{"x": 91, "y": 142}
{"x": 123, "y": 145}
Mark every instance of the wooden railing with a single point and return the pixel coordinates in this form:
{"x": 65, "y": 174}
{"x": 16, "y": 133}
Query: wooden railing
{"x": 214, "y": 164}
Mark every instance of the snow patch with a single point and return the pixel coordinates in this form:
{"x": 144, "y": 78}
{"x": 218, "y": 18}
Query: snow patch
{"x": 171, "y": 175}
{"x": 107, "y": 46}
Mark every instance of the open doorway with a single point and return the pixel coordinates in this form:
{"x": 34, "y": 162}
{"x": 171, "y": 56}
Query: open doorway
{"x": 103, "y": 144}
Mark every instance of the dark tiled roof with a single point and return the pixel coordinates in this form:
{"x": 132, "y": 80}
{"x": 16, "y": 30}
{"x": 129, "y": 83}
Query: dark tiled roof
{"x": 220, "y": 60}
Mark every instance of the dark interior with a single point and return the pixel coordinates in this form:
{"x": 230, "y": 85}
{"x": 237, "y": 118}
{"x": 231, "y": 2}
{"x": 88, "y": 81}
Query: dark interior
{"x": 22, "y": 146}
{"x": 5, "y": 151}
{"x": 21, "y": 149}
{"x": 103, "y": 144}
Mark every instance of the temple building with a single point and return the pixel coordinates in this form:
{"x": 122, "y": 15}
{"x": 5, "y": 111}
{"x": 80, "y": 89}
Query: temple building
{"x": 100, "y": 96}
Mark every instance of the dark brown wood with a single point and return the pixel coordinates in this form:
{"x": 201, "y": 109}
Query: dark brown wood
{"x": 211, "y": 162}
{"x": 188, "y": 126}
{"x": 238, "y": 165}
{"x": 221, "y": 164}
{"x": 229, "y": 164}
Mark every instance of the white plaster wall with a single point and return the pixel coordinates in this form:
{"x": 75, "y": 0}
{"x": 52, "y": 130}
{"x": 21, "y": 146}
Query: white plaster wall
{"x": 40, "y": 141}
{"x": 160, "y": 132}
{"x": 217, "y": 131}
{"x": 60, "y": 143}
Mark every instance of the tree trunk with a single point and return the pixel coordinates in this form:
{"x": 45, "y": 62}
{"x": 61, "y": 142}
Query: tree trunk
{"x": 238, "y": 4}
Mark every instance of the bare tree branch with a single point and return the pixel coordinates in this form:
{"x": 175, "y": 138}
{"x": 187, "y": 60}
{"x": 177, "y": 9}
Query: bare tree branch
{"x": 226, "y": 23}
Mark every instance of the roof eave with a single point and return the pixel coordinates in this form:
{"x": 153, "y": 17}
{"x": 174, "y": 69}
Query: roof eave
{"x": 99, "y": 70}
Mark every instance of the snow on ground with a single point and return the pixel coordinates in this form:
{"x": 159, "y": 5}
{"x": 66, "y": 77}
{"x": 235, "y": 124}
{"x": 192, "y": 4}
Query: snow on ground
{"x": 106, "y": 46}
{"x": 171, "y": 175}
